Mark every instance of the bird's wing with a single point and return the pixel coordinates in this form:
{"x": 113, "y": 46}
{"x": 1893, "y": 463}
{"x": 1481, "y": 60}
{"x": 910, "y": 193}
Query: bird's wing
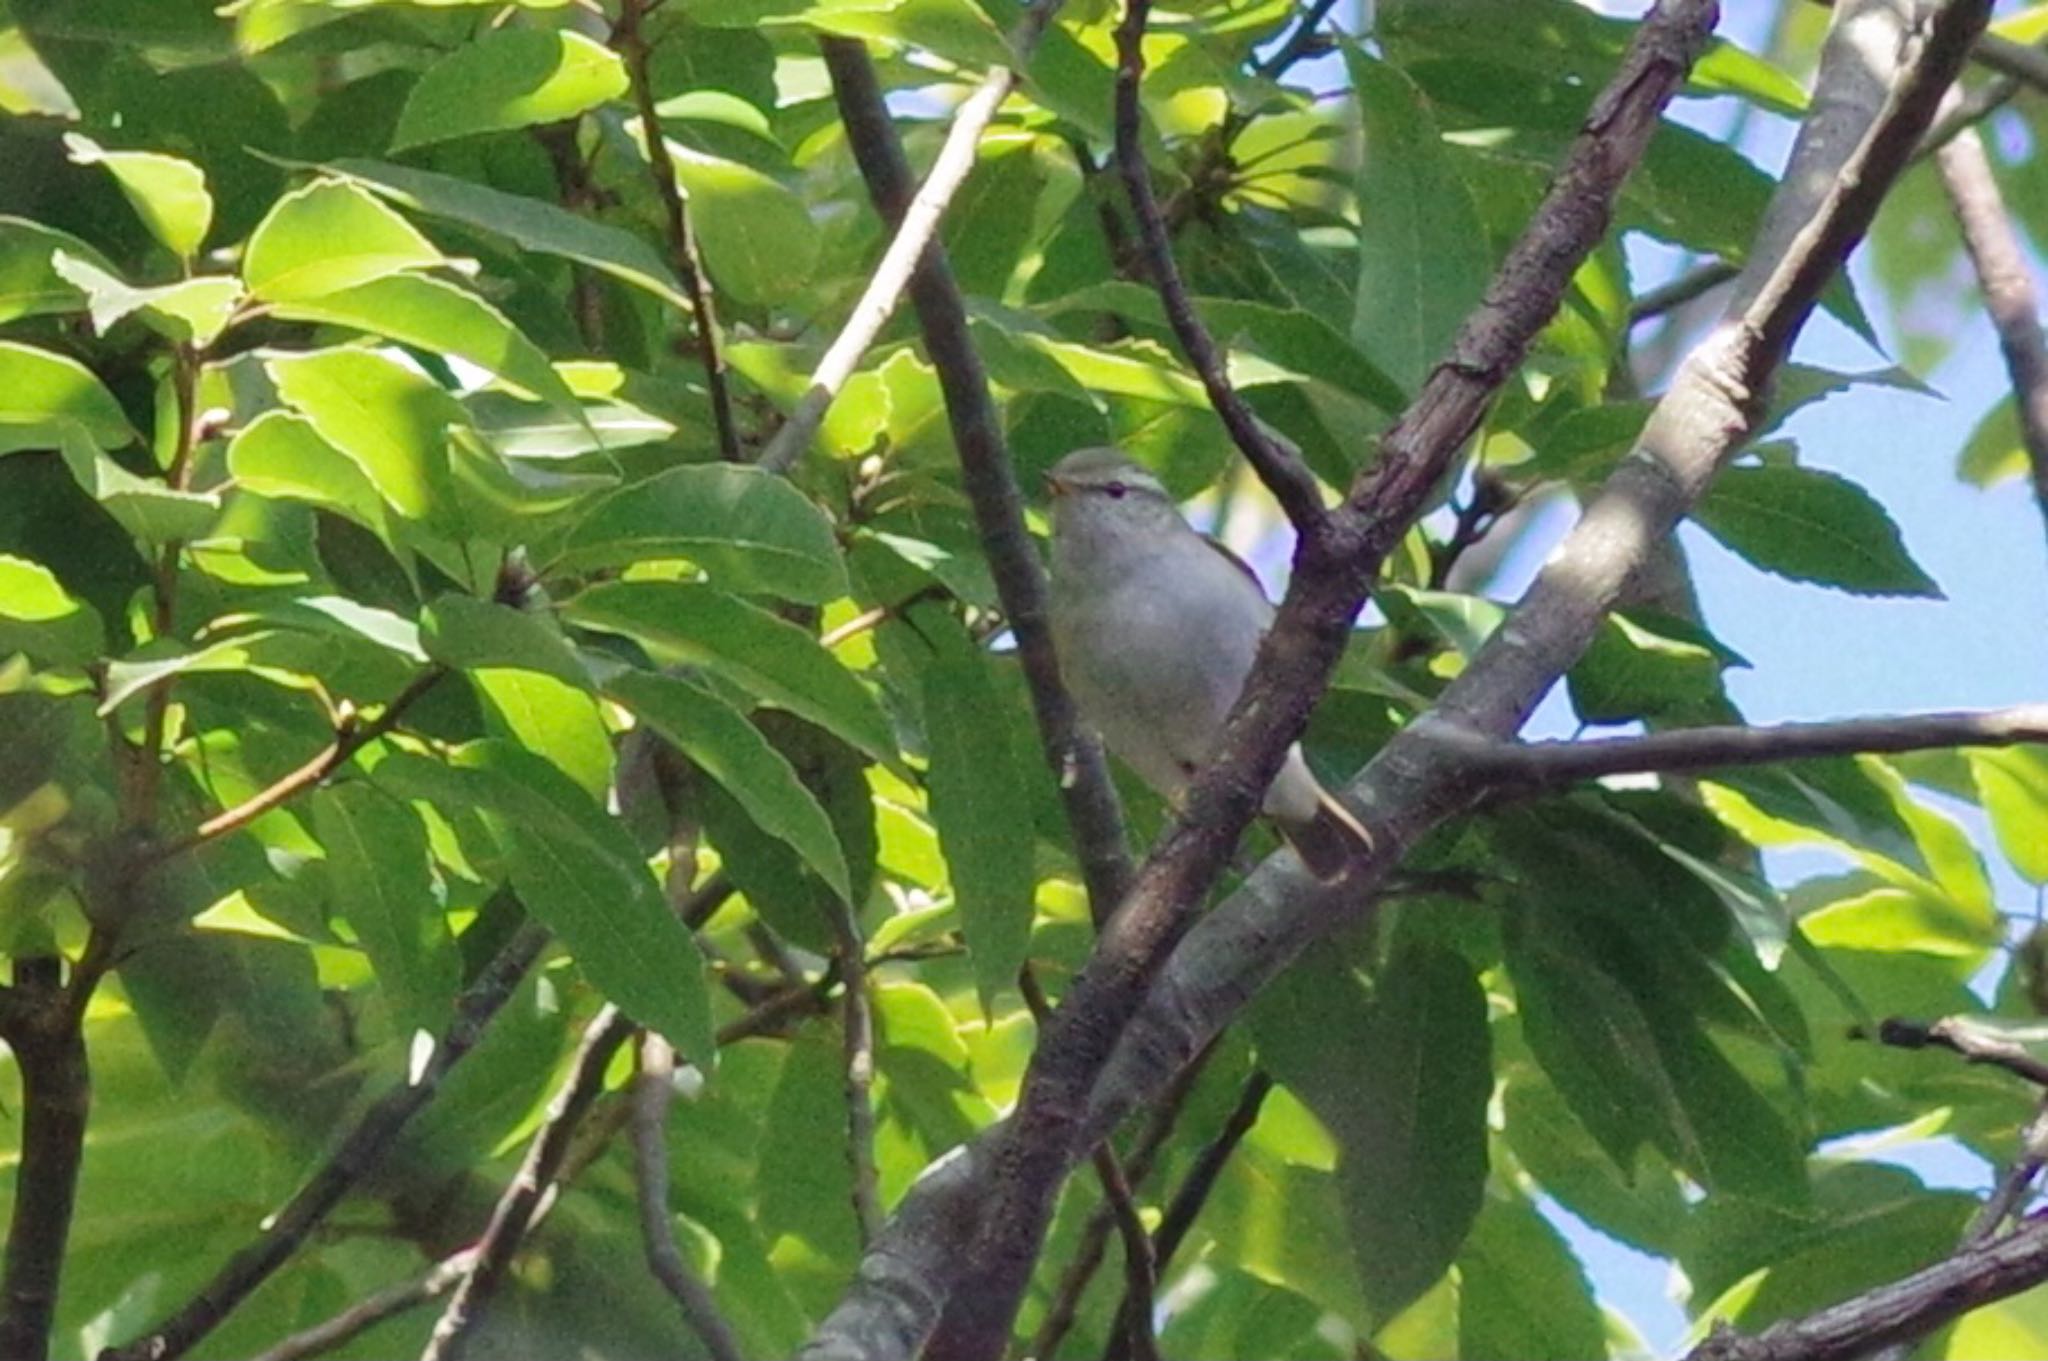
{"x": 1234, "y": 560}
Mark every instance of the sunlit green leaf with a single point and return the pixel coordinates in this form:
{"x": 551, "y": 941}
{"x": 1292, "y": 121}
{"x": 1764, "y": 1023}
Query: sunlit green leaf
{"x": 509, "y": 78}
{"x": 44, "y": 391}
{"x": 168, "y": 194}
{"x": 327, "y": 237}
{"x": 388, "y": 419}
{"x": 39, "y": 617}
{"x": 381, "y": 882}
{"x": 758, "y": 239}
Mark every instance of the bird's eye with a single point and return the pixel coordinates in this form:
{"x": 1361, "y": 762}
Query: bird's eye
{"x": 1116, "y": 490}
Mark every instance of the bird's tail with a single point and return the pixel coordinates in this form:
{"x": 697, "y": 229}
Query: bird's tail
{"x": 1330, "y": 841}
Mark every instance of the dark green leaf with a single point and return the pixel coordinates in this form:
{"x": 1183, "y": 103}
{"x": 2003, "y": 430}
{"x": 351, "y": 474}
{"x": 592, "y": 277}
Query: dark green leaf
{"x": 776, "y": 661}
{"x": 748, "y": 530}
{"x": 380, "y": 880}
{"x": 1812, "y": 526}
{"x": 470, "y": 634}
{"x": 1522, "y": 1293}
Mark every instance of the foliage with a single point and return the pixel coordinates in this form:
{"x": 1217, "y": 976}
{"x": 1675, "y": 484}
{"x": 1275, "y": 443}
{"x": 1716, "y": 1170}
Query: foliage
{"x": 348, "y": 408}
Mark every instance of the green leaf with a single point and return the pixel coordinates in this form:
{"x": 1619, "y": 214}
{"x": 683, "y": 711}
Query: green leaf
{"x": 576, "y": 870}
{"x": 2013, "y": 787}
{"x": 29, "y": 283}
{"x": 438, "y": 316}
{"x": 45, "y": 391}
{"x": 39, "y": 617}
{"x": 1812, "y": 526}
{"x": 559, "y": 722}
{"x": 1994, "y": 453}
{"x": 749, "y": 530}
{"x": 1414, "y": 1163}
{"x": 1423, "y": 260}
{"x": 1642, "y": 663}
{"x": 382, "y": 882}
{"x": 470, "y": 634}
{"x": 327, "y": 237}
{"x": 168, "y": 194}
{"x": 527, "y": 430}
{"x": 725, "y": 746}
{"x": 280, "y": 454}
{"x": 777, "y": 661}
{"x": 758, "y": 239}
{"x": 1522, "y": 1292}
{"x": 509, "y": 78}
{"x": 146, "y": 507}
{"x": 192, "y": 310}
{"x": 529, "y": 223}
{"x": 390, "y": 421}
{"x": 978, "y": 803}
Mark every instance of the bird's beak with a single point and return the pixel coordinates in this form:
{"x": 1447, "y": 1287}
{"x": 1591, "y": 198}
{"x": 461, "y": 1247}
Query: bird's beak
{"x": 1053, "y": 485}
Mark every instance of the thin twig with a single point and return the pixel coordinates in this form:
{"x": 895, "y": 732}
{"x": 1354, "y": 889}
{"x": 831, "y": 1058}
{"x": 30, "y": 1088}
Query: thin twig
{"x": 514, "y": 1212}
{"x": 653, "y": 1093}
{"x": 1521, "y": 768}
{"x": 1297, "y": 43}
{"x": 1186, "y": 1205}
{"x": 1280, "y": 468}
{"x": 372, "y": 1310}
{"x": 916, "y": 226}
{"x": 2028, "y": 65}
{"x": 2009, "y": 293}
{"x": 351, "y": 736}
{"x": 1087, "y": 1259}
{"x": 1959, "y": 1036}
{"x": 631, "y": 44}
{"x": 857, "y": 1028}
{"x": 360, "y": 1150}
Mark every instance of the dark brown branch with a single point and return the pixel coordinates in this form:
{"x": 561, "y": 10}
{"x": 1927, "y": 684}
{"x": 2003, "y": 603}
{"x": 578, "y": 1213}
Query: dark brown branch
{"x": 1281, "y": 469}
{"x": 1692, "y": 284}
{"x": 1186, "y": 1205}
{"x": 1298, "y": 43}
{"x": 1094, "y": 814}
{"x": 514, "y": 1212}
{"x": 1141, "y": 1277}
{"x": 1905, "y": 1309}
{"x": 350, "y": 737}
{"x": 857, "y": 1027}
{"x": 44, "y": 1033}
{"x": 1529, "y": 767}
{"x": 1025, "y": 1160}
{"x": 2009, "y": 293}
{"x": 372, "y": 1310}
{"x": 631, "y": 44}
{"x": 1957, "y": 1035}
{"x": 653, "y": 1093}
{"x": 360, "y": 1151}
{"x": 915, "y": 224}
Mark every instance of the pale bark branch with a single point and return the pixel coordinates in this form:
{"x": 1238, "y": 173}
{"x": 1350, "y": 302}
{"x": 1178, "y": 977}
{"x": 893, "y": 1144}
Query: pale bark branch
{"x": 2028, "y": 65}
{"x": 2009, "y": 293}
{"x": 916, "y": 226}
{"x": 372, "y": 1310}
{"x": 1278, "y": 466}
{"x": 360, "y": 1151}
{"x": 1972, "y": 1042}
{"x": 857, "y": 1033}
{"x": 1005, "y": 1183}
{"x": 1094, "y": 813}
{"x": 515, "y": 1211}
{"x": 653, "y": 1094}
{"x": 1878, "y": 84}
{"x": 1515, "y": 768}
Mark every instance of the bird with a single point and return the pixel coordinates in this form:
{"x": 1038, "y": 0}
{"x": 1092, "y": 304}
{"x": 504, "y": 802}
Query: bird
{"x": 1155, "y": 626}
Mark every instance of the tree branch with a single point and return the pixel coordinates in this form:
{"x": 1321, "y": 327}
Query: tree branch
{"x": 367, "y": 1313}
{"x": 350, "y": 737}
{"x": 360, "y": 1151}
{"x": 1281, "y": 469}
{"x": 49, "y": 1049}
{"x": 1905, "y": 1309}
{"x": 1017, "y": 1169}
{"x": 1958, "y": 1035}
{"x": 2009, "y": 293}
{"x": 857, "y": 1023}
{"x": 1094, "y": 814}
{"x": 1186, "y": 1205}
{"x": 1520, "y": 768}
{"x": 631, "y": 44}
{"x": 515, "y": 1209}
{"x": 653, "y": 1093}
{"x": 2027, "y": 65}
{"x": 916, "y": 226}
